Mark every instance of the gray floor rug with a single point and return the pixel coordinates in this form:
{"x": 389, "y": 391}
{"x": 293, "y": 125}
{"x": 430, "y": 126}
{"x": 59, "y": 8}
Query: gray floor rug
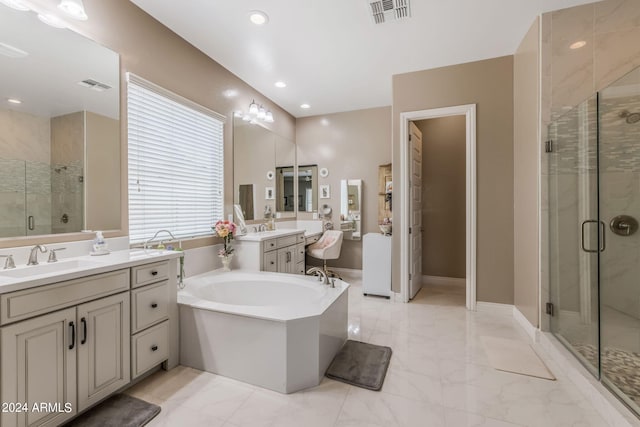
{"x": 120, "y": 410}
{"x": 360, "y": 364}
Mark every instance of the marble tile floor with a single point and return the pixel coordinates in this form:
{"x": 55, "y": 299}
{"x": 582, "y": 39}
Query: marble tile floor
{"x": 438, "y": 376}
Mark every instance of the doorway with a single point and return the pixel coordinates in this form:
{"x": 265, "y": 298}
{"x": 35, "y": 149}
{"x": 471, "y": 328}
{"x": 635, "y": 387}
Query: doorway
{"x": 408, "y": 250}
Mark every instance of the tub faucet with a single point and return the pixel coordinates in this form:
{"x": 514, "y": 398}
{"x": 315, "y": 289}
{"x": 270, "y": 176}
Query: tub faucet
{"x": 33, "y": 255}
{"x": 322, "y": 275}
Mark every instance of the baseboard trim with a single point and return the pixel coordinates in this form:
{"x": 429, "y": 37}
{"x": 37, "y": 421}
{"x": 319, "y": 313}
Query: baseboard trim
{"x": 522, "y": 320}
{"x": 494, "y": 307}
{"x": 443, "y": 281}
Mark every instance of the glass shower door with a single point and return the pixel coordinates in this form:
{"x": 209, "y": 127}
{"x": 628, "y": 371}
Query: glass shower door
{"x": 619, "y": 127}
{"x": 575, "y": 232}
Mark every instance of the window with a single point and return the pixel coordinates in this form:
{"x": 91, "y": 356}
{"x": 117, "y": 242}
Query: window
{"x": 175, "y": 155}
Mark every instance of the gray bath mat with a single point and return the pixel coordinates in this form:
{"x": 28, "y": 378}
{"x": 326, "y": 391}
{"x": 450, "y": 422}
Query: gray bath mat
{"x": 360, "y": 364}
{"x": 120, "y": 410}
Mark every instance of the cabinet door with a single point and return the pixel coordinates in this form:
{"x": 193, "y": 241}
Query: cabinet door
{"x": 39, "y": 368}
{"x": 103, "y": 348}
{"x": 286, "y": 258}
{"x": 271, "y": 261}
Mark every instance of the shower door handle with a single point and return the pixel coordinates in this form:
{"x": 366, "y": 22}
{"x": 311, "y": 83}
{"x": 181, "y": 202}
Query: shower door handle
{"x": 600, "y": 230}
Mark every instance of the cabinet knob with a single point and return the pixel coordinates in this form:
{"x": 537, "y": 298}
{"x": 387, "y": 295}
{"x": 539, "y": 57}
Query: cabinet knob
{"x": 154, "y": 305}
{"x": 154, "y": 348}
{"x": 154, "y": 273}
{"x": 272, "y": 262}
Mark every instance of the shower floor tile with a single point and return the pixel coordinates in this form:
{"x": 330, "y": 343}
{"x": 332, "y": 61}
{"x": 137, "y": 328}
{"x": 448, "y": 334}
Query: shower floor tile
{"x": 439, "y": 376}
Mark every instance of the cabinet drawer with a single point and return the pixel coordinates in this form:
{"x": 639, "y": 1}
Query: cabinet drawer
{"x": 149, "y": 273}
{"x": 44, "y": 299}
{"x": 150, "y": 304}
{"x": 300, "y": 252}
{"x": 285, "y": 241}
{"x": 271, "y": 261}
{"x": 269, "y": 245}
{"x": 312, "y": 239}
{"x": 149, "y": 348}
{"x": 300, "y": 238}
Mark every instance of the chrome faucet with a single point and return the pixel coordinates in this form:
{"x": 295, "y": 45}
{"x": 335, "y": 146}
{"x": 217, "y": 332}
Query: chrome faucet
{"x": 322, "y": 275}
{"x": 9, "y": 263}
{"x": 33, "y": 255}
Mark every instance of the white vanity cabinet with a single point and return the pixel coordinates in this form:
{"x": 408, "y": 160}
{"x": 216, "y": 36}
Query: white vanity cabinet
{"x": 77, "y": 355}
{"x": 70, "y": 344}
{"x": 280, "y": 253}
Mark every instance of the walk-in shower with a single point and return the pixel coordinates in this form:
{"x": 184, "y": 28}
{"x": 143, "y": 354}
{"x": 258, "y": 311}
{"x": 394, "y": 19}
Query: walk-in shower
{"x": 594, "y": 243}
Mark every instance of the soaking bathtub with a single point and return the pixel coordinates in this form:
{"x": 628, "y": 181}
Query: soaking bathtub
{"x": 273, "y": 330}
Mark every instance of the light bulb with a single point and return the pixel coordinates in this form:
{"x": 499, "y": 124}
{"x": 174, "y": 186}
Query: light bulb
{"x": 253, "y": 108}
{"x": 16, "y": 4}
{"x": 268, "y": 117}
{"x": 262, "y": 113}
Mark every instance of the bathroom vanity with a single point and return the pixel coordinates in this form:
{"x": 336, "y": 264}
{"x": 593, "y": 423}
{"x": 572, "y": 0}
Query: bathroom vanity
{"x": 278, "y": 251}
{"x": 76, "y": 331}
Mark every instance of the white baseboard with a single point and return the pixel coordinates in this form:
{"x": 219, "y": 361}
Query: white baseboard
{"x": 493, "y": 307}
{"x": 531, "y": 330}
{"x": 443, "y": 281}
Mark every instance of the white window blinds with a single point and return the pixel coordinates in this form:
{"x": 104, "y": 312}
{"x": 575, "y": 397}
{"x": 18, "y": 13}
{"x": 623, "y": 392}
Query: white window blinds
{"x": 175, "y": 163}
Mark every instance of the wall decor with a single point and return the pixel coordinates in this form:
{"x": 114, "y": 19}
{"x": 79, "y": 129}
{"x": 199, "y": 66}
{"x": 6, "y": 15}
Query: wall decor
{"x": 325, "y": 191}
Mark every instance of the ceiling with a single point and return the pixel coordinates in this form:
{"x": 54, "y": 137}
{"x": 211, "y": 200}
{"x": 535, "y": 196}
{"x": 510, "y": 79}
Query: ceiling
{"x": 331, "y": 54}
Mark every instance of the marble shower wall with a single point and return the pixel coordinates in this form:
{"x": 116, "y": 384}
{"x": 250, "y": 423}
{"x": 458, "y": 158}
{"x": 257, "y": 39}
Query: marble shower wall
{"x": 611, "y": 30}
{"x": 620, "y": 195}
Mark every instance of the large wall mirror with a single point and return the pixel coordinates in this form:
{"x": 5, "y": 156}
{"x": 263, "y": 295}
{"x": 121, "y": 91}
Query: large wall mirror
{"x": 59, "y": 130}
{"x": 308, "y": 188}
{"x": 260, "y": 161}
{"x": 351, "y": 208}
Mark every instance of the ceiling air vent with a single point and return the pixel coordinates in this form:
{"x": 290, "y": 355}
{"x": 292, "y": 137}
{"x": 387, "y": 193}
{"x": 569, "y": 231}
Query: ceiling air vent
{"x": 94, "y": 85}
{"x": 389, "y": 10}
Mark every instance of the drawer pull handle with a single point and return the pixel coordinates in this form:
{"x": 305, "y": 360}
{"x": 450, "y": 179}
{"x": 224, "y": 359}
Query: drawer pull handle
{"x": 154, "y": 348}
{"x": 73, "y": 335}
{"x": 154, "y": 305}
{"x": 154, "y": 273}
{"x": 84, "y": 330}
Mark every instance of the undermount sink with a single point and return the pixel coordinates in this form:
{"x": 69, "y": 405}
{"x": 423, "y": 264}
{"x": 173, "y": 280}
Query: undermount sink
{"x": 48, "y": 268}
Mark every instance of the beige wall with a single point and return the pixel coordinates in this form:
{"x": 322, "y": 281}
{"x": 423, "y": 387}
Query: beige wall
{"x": 443, "y": 196}
{"x": 25, "y": 136}
{"x": 102, "y": 171}
{"x": 489, "y": 84}
{"x": 152, "y": 51}
{"x": 351, "y": 145}
{"x": 526, "y": 154}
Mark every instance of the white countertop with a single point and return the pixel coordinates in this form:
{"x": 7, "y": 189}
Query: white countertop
{"x": 265, "y": 235}
{"x": 80, "y": 267}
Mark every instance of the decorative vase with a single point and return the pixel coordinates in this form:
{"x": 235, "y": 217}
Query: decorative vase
{"x": 226, "y": 262}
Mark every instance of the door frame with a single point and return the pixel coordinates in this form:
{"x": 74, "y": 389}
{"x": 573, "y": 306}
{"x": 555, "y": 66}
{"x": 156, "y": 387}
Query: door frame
{"x": 469, "y": 111}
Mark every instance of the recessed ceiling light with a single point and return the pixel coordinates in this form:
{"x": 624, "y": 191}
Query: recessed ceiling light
{"x": 73, "y": 8}
{"x": 305, "y": 106}
{"x": 16, "y": 4}
{"x": 258, "y": 17}
{"x": 14, "y": 101}
{"x": 578, "y": 44}
{"x": 230, "y": 93}
{"x": 52, "y": 20}
{"x": 280, "y": 83}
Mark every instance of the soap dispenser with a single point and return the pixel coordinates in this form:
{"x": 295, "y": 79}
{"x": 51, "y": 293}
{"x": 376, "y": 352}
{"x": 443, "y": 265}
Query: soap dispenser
{"x": 100, "y": 246}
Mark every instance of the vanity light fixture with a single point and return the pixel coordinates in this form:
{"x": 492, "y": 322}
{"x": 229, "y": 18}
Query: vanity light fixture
{"x": 280, "y": 84}
{"x": 73, "y": 8}
{"x": 258, "y": 17}
{"x": 578, "y": 44}
{"x": 16, "y": 4}
{"x": 14, "y": 101}
{"x": 52, "y": 20}
{"x": 256, "y": 113}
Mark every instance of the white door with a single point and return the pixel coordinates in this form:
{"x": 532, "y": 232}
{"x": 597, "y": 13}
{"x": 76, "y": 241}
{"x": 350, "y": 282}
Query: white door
{"x": 415, "y": 209}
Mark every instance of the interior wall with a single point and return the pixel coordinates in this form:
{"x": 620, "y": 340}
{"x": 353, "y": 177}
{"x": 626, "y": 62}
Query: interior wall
{"x": 101, "y": 171}
{"x": 489, "y": 85}
{"x": 152, "y": 51}
{"x": 443, "y": 196}
{"x": 526, "y": 155}
{"x": 351, "y": 145}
